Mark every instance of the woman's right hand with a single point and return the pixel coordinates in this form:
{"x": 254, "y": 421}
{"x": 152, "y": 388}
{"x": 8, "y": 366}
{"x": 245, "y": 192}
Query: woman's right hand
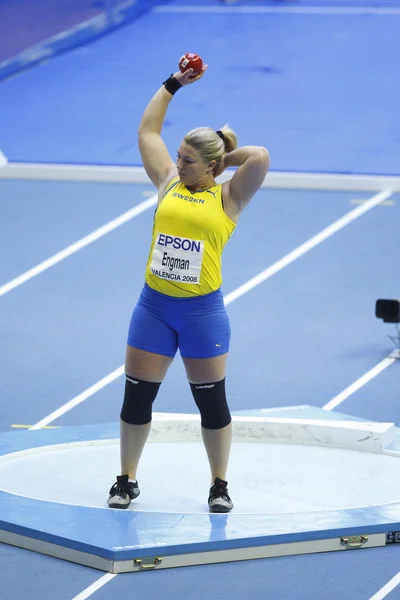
{"x": 220, "y": 167}
{"x": 186, "y": 77}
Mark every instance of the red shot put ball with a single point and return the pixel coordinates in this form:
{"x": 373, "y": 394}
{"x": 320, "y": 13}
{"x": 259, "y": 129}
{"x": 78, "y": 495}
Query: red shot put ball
{"x": 191, "y": 61}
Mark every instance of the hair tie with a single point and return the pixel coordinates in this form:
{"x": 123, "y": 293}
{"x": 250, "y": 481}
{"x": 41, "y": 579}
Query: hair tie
{"x": 221, "y": 135}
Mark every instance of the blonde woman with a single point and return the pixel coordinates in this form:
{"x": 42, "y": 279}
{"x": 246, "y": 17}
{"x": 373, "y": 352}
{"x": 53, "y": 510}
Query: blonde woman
{"x": 181, "y": 304}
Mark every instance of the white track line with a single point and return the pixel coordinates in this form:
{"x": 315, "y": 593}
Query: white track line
{"x": 240, "y": 291}
{"x": 80, "y": 398}
{"x": 3, "y": 159}
{"x": 308, "y": 245}
{"x": 95, "y": 586}
{"x": 389, "y": 587}
{"x": 275, "y": 179}
{"x": 75, "y": 247}
{"x": 363, "y": 380}
{"x": 291, "y": 10}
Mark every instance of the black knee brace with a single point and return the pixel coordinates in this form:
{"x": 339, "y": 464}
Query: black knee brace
{"x": 211, "y": 402}
{"x": 138, "y": 399}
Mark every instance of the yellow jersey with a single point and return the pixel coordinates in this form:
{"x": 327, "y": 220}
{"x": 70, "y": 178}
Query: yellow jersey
{"x": 190, "y": 231}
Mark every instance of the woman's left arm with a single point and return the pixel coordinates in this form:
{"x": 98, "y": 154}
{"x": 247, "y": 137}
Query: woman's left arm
{"x": 253, "y": 164}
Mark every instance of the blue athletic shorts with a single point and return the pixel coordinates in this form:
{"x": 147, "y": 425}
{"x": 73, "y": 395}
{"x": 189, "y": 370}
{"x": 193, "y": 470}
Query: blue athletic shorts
{"x": 198, "y": 326}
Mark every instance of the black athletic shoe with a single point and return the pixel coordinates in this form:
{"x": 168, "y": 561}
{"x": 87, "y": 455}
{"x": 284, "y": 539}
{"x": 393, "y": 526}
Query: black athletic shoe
{"x": 122, "y": 492}
{"x": 218, "y": 500}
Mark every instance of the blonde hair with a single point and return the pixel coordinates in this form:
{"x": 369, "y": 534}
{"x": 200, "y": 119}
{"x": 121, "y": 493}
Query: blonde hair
{"x": 209, "y": 144}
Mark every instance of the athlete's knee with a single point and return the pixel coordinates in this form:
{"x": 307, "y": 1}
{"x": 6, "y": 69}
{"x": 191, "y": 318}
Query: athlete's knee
{"x": 211, "y": 402}
{"x": 138, "y": 400}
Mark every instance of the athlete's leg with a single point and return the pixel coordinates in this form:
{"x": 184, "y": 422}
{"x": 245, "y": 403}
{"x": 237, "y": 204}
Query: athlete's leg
{"x": 203, "y": 373}
{"x": 152, "y": 345}
{"x": 148, "y": 370}
{"x": 204, "y": 345}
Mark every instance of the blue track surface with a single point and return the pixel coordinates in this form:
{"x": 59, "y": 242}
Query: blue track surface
{"x": 322, "y": 94}
{"x": 314, "y": 317}
{"x": 299, "y": 338}
{"x": 320, "y": 91}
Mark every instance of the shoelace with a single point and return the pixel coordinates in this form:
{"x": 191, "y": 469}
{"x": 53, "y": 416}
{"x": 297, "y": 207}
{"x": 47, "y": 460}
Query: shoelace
{"x": 119, "y": 488}
{"x": 219, "y": 491}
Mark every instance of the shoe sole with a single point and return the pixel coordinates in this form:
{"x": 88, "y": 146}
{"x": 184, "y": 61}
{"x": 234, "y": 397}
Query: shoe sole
{"x": 118, "y": 505}
{"x": 136, "y": 493}
{"x": 218, "y": 508}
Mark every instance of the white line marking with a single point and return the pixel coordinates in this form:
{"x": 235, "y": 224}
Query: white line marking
{"x": 282, "y": 179}
{"x": 383, "y": 592}
{"x": 95, "y": 586}
{"x": 385, "y": 203}
{"x": 75, "y": 247}
{"x": 363, "y": 380}
{"x": 80, "y": 398}
{"x": 308, "y": 245}
{"x": 293, "y": 10}
{"x": 3, "y": 159}
{"x": 240, "y": 291}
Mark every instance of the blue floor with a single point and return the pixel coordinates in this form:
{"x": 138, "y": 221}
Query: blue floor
{"x": 298, "y": 321}
{"x": 287, "y": 578}
{"x": 299, "y": 338}
{"x": 296, "y": 84}
{"x": 321, "y": 92}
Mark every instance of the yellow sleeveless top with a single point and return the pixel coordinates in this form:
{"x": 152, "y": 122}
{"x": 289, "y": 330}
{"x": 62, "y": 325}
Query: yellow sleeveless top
{"x": 189, "y": 234}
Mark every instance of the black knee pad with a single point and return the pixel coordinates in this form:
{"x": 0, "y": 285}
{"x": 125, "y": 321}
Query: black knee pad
{"x": 138, "y": 399}
{"x": 211, "y": 402}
